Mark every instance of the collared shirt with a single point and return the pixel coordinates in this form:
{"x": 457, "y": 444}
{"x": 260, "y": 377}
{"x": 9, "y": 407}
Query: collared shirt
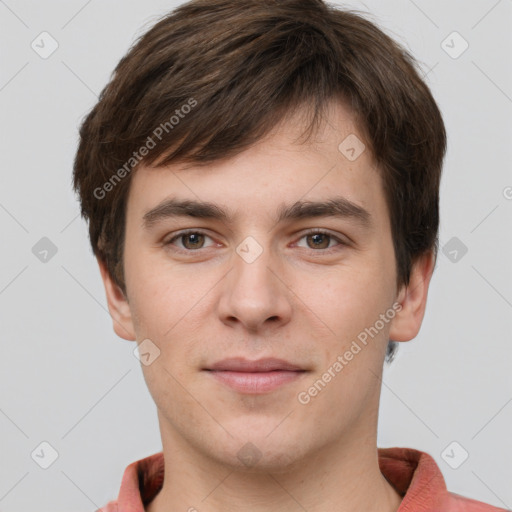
{"x": 414, "y": 474}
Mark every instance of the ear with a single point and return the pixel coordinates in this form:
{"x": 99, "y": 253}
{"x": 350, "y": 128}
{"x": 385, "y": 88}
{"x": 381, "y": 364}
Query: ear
{"x": 117, "y": 305}
{"x": 413, "y": 298}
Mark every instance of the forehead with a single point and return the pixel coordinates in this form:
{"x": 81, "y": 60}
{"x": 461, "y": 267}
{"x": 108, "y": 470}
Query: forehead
{"x": 279, "y": 170}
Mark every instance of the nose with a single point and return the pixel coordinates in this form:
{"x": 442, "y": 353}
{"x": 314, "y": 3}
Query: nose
{"x": 254, "y": 294}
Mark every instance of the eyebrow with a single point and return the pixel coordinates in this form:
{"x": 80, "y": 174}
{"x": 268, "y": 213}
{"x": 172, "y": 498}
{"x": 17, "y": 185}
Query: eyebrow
{"x": 339, "y": 207}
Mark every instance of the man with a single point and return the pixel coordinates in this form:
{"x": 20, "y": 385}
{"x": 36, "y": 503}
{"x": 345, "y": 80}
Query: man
{"x": 261, "y": 181}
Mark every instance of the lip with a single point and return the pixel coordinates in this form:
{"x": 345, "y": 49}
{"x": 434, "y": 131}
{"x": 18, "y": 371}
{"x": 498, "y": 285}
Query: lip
{"x": 267, "y": 364}
{"x": 255, "y": 377}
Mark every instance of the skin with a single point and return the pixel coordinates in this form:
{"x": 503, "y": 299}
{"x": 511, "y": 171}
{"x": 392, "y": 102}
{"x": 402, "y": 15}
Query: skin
{"x": 296, "y": 301}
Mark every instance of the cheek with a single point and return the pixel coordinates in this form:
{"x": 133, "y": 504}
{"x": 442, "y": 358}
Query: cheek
{"x": 346, "y": 298}
{"x": 157, "y": 294}
{"x": 345, "y": 308}
{"x": 170, "y": 305}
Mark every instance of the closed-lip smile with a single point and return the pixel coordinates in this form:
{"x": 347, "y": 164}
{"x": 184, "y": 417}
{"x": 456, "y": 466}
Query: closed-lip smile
{"x": 255, "y": 377}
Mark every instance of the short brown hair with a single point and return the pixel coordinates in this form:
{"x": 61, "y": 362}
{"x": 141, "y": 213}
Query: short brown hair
{"x": 239, "y": 67}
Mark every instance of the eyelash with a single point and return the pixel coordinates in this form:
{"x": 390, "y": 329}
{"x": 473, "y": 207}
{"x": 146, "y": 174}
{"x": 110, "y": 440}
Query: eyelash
{"x": 308, "y": 233}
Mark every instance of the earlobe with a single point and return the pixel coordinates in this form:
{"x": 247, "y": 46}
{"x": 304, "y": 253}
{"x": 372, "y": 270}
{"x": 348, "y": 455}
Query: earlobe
{"x": 117, "y": 305}
{"x": 413, "y": 299}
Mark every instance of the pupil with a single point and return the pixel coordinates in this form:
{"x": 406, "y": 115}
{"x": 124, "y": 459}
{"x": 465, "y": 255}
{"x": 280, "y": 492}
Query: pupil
{"x": 317, "y": 239}
{"x": 191, "y": 238}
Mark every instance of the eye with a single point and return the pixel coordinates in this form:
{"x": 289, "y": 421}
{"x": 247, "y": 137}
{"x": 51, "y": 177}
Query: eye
{"x": 317, "y": 239}
{"x": 190, "y": 240}
{"x": 193, "y": 240}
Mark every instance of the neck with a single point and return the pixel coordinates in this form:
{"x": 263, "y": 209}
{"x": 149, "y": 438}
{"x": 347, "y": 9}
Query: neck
{"x": 343, "y": 477}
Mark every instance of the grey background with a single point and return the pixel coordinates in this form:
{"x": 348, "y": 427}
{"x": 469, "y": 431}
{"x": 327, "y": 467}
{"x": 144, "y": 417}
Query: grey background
{"x": 65, "y": 378}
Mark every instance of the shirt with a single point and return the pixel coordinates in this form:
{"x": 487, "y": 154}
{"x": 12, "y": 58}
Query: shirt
{"x": 414, "y": 474}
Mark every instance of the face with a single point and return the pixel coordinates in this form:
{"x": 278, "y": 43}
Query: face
{"x": 266, "y": 279}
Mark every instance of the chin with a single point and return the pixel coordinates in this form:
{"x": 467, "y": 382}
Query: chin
{"x": 251, "y": 458}
{"x": 261, "y": 448}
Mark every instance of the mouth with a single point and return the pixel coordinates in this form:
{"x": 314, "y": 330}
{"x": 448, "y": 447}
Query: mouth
{"x": 255, "y": 377}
